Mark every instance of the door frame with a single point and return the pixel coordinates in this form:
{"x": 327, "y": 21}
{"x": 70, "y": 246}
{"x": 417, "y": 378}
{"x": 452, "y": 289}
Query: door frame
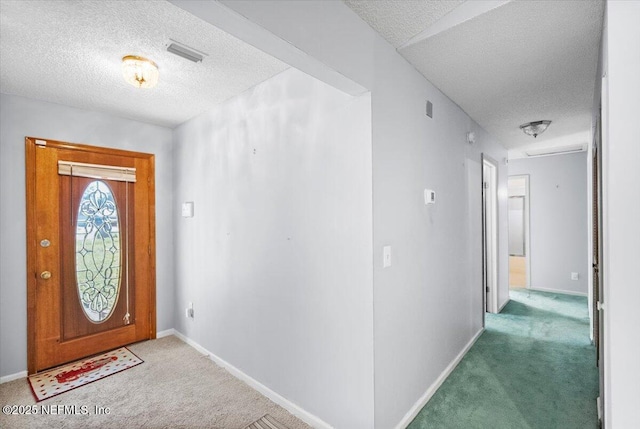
{"x": 527, "y": 226}
{"x": 32, "y": 144}
{"x": 490, "y": 227}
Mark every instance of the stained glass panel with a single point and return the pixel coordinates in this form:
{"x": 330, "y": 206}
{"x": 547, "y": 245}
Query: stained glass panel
{"x": 98, "y": 252}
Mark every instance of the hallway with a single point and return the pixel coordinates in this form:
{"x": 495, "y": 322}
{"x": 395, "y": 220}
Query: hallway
{"x": 533, "y": 367}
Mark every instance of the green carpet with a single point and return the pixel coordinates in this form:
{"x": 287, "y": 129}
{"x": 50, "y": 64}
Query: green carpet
{"x": 533, "y": 367}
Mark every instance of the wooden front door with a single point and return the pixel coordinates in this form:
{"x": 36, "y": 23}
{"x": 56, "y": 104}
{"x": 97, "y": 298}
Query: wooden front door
{"x": 90, "y": 250}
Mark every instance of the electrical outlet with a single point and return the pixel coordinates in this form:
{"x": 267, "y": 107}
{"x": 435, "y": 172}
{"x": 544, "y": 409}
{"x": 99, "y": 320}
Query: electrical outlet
{"x": 189, "y": 311}
{"x": 574, "y": 276}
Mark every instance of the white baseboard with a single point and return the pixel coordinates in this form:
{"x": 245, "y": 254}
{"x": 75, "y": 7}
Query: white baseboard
{"x": 166, "y": 333}
{"x": 294, "y": 409}
{"x": 413, "y": 412}
{"x": 11, "y": 377}
{"x": 23, "y": 374}
{"x": 504, "y": 305}
{"x": 565, "y": 292}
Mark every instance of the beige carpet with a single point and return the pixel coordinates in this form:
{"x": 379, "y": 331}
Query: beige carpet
{"x": 176, "y": 387}
{"x": 267, "y": 422}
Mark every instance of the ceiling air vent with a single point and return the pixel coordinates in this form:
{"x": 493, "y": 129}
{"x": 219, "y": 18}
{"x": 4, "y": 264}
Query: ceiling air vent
{"x": 555, "y": 150}
{"x": 184, "y": 52}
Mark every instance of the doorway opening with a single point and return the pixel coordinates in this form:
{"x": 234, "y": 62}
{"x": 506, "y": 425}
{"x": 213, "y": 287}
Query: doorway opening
{"x": 490, "y": 234}
{"x": 519, "y": 238}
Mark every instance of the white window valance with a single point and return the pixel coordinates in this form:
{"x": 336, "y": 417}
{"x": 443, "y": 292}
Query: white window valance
{"x": 96, "y": 171}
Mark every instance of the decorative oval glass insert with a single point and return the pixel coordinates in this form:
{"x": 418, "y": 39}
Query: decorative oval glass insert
{"x": 98, "y": 252}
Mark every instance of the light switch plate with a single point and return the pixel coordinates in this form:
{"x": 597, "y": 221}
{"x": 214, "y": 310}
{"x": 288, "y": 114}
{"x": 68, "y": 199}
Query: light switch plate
{"x": 187, "y": 209}
{"x": 574, "y": 276}
{"x": 386, "y": 256}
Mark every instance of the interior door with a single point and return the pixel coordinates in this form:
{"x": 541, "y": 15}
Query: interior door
{"x": 598, "y": 274}
{"x": 596, "y": 252}
{"x": 489, "y": 234}
{"x": 485, "y": 271}
{"x": 91, "y": 250}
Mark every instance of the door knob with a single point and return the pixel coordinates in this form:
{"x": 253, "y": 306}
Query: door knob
{"x": 45, "y": 275}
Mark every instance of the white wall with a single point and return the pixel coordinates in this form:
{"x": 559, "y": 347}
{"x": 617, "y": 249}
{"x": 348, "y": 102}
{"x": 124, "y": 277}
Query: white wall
{"x": 428, "y": 305}
{"x": 277, "y": 259}
{"x": 21, "y": 117}
{"x": 316, "y": 291}
{"x": 621, "y": 189}
{"x": 558, "y": 220}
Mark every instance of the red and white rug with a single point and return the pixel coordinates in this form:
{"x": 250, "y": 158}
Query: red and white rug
{"x": 48, "y": 384}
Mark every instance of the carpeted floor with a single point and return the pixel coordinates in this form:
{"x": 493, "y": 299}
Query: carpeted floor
{"x": 176, "y": 387}
{"x": 533, "y": 367}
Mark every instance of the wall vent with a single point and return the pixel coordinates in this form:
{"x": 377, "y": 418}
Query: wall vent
{"x": 185, "y": 52}
{"x": 555, "y": 150}
{"x": 429, "y": 109}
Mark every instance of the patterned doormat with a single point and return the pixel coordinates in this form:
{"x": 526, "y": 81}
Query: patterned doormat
{"x": 48, "y": 384}
{"x": 266, "y": 422}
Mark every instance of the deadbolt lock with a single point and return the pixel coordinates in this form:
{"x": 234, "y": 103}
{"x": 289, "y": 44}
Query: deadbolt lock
{"x": 45, "y": 275}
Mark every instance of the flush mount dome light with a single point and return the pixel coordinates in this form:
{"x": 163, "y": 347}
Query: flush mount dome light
{"x": 140, "y": 72}
{"x": 535, "y": 128}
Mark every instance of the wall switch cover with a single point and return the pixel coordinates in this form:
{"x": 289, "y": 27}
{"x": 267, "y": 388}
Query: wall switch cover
{"x": 386, "y": 256}
{"x": 574, "y": 276}
{"x": 429, "y": 196}
{"x": 187, "y": 209}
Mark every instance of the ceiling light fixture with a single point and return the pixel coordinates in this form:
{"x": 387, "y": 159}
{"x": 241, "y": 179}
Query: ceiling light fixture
{"x": 535, "y": 128}
{"x": 140, "y": 72}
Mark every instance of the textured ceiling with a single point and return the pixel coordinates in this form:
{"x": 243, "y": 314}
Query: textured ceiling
{"x": 399, "y": 20}
{"x": 70, "y": 52}
{"x": 520, "y": 62}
